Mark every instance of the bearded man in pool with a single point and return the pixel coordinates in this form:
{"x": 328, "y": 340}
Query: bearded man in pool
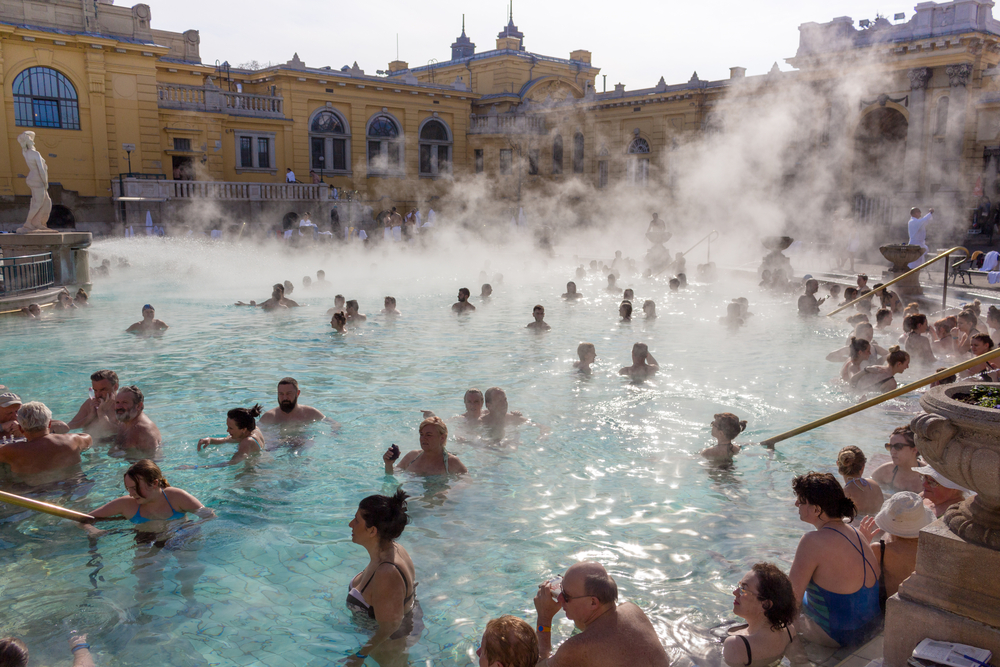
{"x": 289, "y": 411}
{"x": 136, "y": 431}
{"x": 96, "y": 415}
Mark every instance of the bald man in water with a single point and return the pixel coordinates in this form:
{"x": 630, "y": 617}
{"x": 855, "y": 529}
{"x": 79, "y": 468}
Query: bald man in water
{"x": 611, "y": 634}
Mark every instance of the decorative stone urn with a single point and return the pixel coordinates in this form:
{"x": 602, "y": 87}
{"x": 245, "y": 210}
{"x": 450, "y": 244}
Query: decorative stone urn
{"x": 658, "y": 237}
{"x": 774, "y": 260}
{"x": 900, "y": 255}
{"x": 954, "y": 592}
{"x": 962, "y": 442}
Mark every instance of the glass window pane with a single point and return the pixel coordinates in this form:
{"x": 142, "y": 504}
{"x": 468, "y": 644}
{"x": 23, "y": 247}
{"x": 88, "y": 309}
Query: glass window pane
{"x": 444, "y": 163}
{"x": 263, "y": 153}
{"x": 425, "y": 159}
{"x": 383, "y": 127}
{"x": 318, "y": 150}
{"x": 533, "y": 162}
{"x": 374, "y": 153}
{"x": 246, "y": 151}
{"x": 479, "y": 160}
{"x": 339, "y": 154}
{"x": 46, "y": 113}
{"x": 434, "y": 131}
{"x": 394, "y": 157}
{"x": 506, "y": 157}
{"x": 557, "y": 155}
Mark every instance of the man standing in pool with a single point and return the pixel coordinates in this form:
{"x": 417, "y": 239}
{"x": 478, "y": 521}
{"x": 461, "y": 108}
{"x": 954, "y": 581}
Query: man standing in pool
{"x": 289, "y": 411}
{"x": 463, "y": 305}
{"x": 611, "y": 634}
{"x": 149, "y": 322}
{"x": 97, "y": 414}
{"x": 43, "y": 450}
{"x": 136, "y": 431}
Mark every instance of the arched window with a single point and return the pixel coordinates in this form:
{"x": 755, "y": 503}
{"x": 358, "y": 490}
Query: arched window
{"x": 329, "y": 142}
{"x": 44, "y": 97}
{"x": 385, "y": 146}
{"x": 637, "y": 165}
{"x": 602, "y": 167}
{"x": 557, "y": 154}
{"x": 435, "y": 148}
{"x": 578, "y": 153}
{"x": 942, "y": 116}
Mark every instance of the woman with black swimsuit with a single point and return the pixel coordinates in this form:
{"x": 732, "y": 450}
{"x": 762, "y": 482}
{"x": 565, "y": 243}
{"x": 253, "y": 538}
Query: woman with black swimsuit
{"x": 385, "y": 591}
{"x": 766, "y": 600}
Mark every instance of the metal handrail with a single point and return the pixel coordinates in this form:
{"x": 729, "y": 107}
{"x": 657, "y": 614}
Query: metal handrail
{"x": 898, "y": 278}
{"x": 26, "y": 273}
{"x": 684, "y": 254}
{"x": 889, "y": 395}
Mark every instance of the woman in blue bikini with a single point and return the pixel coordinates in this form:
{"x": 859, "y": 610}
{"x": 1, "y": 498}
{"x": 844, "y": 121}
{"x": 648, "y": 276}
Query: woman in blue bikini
{"x": 835, "y": 572}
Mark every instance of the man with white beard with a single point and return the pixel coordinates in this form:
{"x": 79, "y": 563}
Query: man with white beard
{"x": 136, "y": 431}
{"x": 289, "y": 411}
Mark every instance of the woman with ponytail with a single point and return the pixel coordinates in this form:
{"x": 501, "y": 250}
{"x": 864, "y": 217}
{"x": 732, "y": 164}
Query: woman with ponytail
{"x": 382, "y": 597}
{"x": 860, "y": 353}
{"x": 882, "y": 378}
{"x": 725, "y": 427}
{"x": 835, "y": 573}
{"x": 241, "y": 424}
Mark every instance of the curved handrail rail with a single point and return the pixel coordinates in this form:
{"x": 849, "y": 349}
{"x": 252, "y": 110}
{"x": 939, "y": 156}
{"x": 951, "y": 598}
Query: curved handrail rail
{"x": 700, "y": 240}
{"x": 898, "y": 391}
{"x": 946, "y": 253}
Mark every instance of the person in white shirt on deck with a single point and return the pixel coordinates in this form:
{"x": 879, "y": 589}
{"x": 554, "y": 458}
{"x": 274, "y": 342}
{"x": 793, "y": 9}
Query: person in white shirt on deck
{"x": 917, "y": 228}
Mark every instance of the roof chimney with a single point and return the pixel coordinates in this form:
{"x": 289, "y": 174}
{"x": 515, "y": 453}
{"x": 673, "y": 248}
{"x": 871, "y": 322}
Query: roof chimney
{"x": 737, "y": 72}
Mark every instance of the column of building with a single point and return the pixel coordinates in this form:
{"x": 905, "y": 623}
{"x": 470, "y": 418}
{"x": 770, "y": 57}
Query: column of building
{"x": 96, "y": 74}
{"x": 958, "y": 78}
{"x": 914, "y": 175}
{"x": 6, "y": 168}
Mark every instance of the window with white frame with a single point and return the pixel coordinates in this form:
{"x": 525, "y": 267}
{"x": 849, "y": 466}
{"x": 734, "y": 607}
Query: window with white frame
{"x": 254, "y": 151}
{"x": 385, "y": 146}
{"x": 435, "y": 148}
{"x": 329, "y": 142}
{"x": 637, "y": 164}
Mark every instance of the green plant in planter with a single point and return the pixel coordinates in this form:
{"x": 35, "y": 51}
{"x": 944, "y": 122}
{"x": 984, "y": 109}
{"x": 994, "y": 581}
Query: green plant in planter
{"x": 985, "y": 396}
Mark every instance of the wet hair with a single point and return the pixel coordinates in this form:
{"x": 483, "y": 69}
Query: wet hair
{"x": 976, "y": 307}
{"x": 775, "y": 587}
{"x": 883, "y": 314}
{"x": 585, "y": 347}
{"x": 484, "y": 287}
{"x": 969, "y": 316}
{"x": 245, "y": 417}
{"x": 851, "y": 461}
{"x": 811, "y": 282}
{"x": 291, "y": 381}
{"x": 911, "y": 322}
{"x": 34, "y": 416}
{"x": 897, "y": 356}
{"x": 912, "y": 308}
{"x": 511, "y": 642}
{"x": 993, "y": 315}
{"x": 984, "y": 338}
{"x": 82, "y": 294}
{"x": 674, "y": 283}
{"x": 437, "y": 423}
{"x": 491, "y": 393}
{"x": 648, "y": 303}
{"x": 148, "y": 472}
{"x": 278, "y": 287}
{"x": 306, "y": 280}
{"x": 946, "y": 323}
{"x": 858, "y": 345}
{"x": 538, "y": 306}
{"x": 628, "y": 308}
{"x": 339, "y": 297}
{"x": 850, "y": 293}
{"x": 629, "y": 294}
{"x": 473, "y": 391}
{"x": 353, "y": 303}
{"x": 134, "y": 392}
{"x": 465, "y": 291}
{"x": 823, "y": 490}
{"x": 729, "y": 424}
{"x": 683, "y": 279}
{"x": 110, "y": 376}
{"x": 906, "y": 432}
{"x": 857, "y": 318}
{"x": 602, "y": 586}
{"x": 861, "y": 327}
{"x": 392, "y": 300}
{"x": 321, "y": 273}
{"x": 387, "y": 514}
{"x": 14, "y": 653}
{"x": 339, "y": 317}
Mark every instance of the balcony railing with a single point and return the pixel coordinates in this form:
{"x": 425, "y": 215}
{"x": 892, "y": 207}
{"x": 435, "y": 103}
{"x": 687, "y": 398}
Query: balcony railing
{"x": 213, "y": 99}
{"x": 25, "y": 274}
{"x": 507, "y": 124}
{"x": 141, "y": 189}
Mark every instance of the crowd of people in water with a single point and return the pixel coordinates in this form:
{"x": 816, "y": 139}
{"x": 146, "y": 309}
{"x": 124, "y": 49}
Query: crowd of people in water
{"x": 865, "y": 524}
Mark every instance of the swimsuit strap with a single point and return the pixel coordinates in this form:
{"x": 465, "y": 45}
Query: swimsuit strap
{"x": 895, "y": 469}
{"x": 860, "y": 552}
{"x": 172, "y": 510}
{"x": 746, "y": 642}
{"x": 789, "y": 634}
{"x": 388, "y": 562}
{"x": 861, "y": 481}
{"x": 444, "y": 452}
{"x": 883, "y": 594}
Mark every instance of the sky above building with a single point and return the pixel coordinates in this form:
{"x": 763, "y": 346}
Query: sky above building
{"x": 632, "y": 43}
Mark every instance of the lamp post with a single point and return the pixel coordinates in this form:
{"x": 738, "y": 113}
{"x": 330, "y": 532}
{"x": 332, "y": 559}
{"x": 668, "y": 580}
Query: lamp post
{"x": 128, "y": 151}
{"x": 322, "y": 162}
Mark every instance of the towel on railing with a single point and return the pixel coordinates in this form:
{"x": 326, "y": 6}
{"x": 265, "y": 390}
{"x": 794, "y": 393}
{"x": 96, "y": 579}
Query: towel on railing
{"x": 991, "y": 260}
{"x": 993, "y": 277}
{"x": 216, "y": 233}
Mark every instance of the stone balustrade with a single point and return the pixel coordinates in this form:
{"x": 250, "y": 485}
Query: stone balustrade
{"x": 163, "y": 190}
{"x": 212, "y": 99}
{"x": 507, "y": 124}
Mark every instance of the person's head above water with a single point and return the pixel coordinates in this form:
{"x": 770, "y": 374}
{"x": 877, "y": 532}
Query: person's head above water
{"x": 649, "y": 307}
{"x": 675, "y": 284}
{"x": 288, "y": 394}
{"x": 851, "y": 461}
{"x": 14, "y": 653}
{"x": 277, "y": 291}
{"x": 625, "y": 310}
{"x": 338, "y": 321}
{"x": 352, "y": 307}
{"x": 812, "y": 286}
{"x": 538, "y": 312}
{"x": 390, "y": 303}
{"x": 239, "y": 420}
{"x": 729, "y": 424}
{"x": 639, "y": 352}
{"x": 629, "y": 295}
{"x": 383, "y": 518}
{"x": 338, "y": 301}
{"x": 464, "y": 293}
{"x": 571, "y": 287}
{"x": 289, "y": 287}
{"x": 587, "y": 352}
{"x": 898, "y": 360}
{"x": 496, "y": 400}
{"x": 822, "y": 496}
{"x": 611, "y": 279}
{"x": 145, "y": 473}
{"x": 508, "y": 641}
{"x": 487, "y": 290}
{"x": 473, "y": 400}
{"x": 883, "y": 317}
{"x": 860, "y": 349}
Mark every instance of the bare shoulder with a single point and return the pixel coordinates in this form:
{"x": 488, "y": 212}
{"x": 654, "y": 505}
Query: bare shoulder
{"x": 312, "y": 413}
{"x": 734, "y": 651}
{"x": 269, "y": 416}
{"x": 456, "y": 465}
{"x": 182, "y": 499}
{"x": 571, "y": 653}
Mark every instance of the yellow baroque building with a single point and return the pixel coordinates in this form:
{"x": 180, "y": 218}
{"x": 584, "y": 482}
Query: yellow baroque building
{"x": 131, "y": 122}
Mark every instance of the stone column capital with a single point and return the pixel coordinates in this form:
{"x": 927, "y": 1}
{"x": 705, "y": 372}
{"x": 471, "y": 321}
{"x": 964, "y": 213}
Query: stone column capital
{"x": 958, "y": 74}
{"x": 919, "y": 77}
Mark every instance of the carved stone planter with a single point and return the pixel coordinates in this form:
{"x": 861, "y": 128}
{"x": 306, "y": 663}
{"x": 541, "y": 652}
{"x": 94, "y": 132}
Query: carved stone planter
{"x": 962, "y": 442}
{"x": 900, "y": 255}
{"x": 775, "y": 260}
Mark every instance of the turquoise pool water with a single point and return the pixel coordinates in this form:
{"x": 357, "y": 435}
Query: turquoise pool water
{"x": 618, "y": 479}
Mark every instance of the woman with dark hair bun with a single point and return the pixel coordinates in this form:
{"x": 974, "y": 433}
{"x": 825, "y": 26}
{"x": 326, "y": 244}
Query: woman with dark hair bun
{"x": 860, "y": 351}
{"x": 725, "y": 427}
{"x": 866, "y": 493}
{"x": 766, "y": 600}
{"x": 382, "y": 597}
{"x": 882, "y": 378}
{"x": 835, "y": 573}
{"x": 241, "y": 424}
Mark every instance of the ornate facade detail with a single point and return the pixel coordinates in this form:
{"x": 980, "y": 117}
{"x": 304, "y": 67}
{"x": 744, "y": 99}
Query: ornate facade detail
{"x": 919, "y": 76}
{"x": 958, "y": 75}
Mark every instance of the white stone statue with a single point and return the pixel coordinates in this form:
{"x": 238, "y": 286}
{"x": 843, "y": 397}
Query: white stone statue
{"x": 38, "y": 181}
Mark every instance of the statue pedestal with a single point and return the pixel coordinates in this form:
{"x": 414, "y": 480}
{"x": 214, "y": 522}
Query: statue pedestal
{"x": 953, "y": 595}
{"x": 901, "y": 255}
{"x": 70, "y": 260}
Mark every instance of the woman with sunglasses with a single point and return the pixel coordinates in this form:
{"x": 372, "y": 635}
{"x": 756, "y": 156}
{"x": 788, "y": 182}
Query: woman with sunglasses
{"x": 899, "y": 475}
{"x": 765, "y": 600}
{"x": 835, "y": 572}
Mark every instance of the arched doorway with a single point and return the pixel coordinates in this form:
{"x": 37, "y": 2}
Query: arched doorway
{"x": 879, "y": 151}
{"x": 61, "y": 218}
